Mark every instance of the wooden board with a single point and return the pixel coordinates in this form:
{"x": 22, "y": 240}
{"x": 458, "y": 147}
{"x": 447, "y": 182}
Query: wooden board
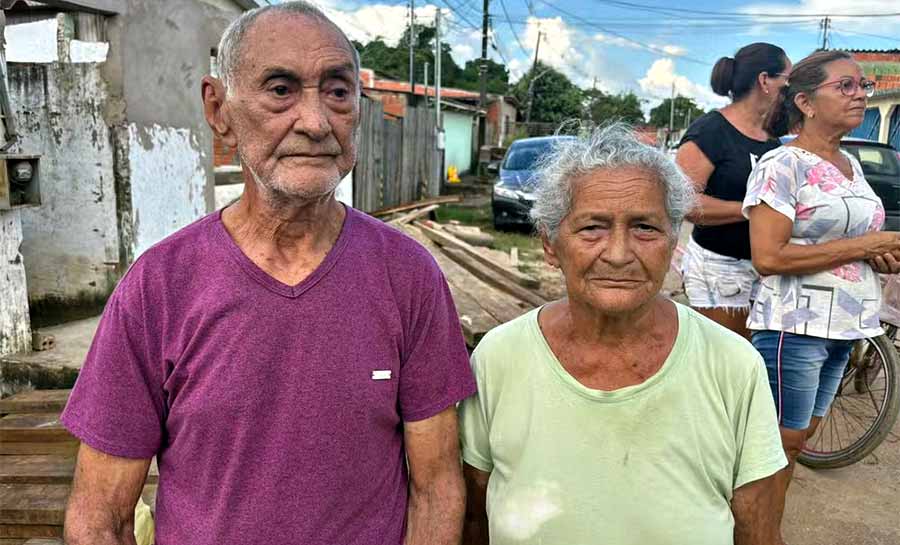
{"x": 447, "y": 240}
{"x": 35, "y": 401}
{"x": 467, "y": 291}
{"x": 480, "y": 271}
{"x": 414, "y": 215}
{"x": 33, "y": 428}
{"x": 15, "y": 448}
{"x": 37, "y": 469}
{"x": 44, "y": 541}
{"x": 14, "y": 541}
{"x": 33, "y": 504}
{"x": 417, "y": 204}
{"x": 48, "y": 469}
{"x": 30, "y": 531}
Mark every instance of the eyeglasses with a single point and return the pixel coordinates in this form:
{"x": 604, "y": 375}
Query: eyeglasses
{"x": 848, "y": 86}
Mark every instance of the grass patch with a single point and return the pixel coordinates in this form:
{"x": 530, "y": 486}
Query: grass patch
{"x": 529, "y": 245}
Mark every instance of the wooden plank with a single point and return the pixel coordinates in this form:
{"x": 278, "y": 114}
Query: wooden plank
{"x": 19, "y": 448}
{"x": 414, "y": 215}
{"x": 14, "y": 541}
{"x": 37, "y": 469}
{"x": 446, "y": 239}
{"x": 33, "y": 504}
{"x": 44, "y": 541}
{"x": 447, "y": 199}
{"x": 27, "y": 531}
{"x": 35, "y": 401}
{"x": 475, "y": 320}
{"x": 480, "y": 271}
{"x": 33, "y": 428}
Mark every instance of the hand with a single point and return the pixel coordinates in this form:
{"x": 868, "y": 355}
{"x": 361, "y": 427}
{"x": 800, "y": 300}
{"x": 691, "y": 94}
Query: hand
{"x": 888, "y": 263}
{"x": 876, "y": 245}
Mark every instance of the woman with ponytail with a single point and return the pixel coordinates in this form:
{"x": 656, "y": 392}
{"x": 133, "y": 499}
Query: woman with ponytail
{"x": 814, "y": 233}
{"x": 717, "y": 153}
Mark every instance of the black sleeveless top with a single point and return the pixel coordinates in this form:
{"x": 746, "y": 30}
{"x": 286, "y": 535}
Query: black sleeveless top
{"x": 733, "y": 155}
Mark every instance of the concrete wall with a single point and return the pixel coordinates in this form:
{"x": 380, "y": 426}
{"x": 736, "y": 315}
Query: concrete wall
{"x": 458, "y": 140}
{"x": 15, "y": 328}
{"x": 71, "y": 244}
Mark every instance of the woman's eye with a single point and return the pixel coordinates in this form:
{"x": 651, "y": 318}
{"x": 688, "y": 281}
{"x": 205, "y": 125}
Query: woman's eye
{"x": 340, "y": 93}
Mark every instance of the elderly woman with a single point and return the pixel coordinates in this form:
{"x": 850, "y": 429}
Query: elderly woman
{"x": 613, "y": 412}
{"x": 814, "y": 225}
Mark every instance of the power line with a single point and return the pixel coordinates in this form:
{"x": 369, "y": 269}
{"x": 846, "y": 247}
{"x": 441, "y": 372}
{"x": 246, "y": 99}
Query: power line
{"x": 513, "y": 30}
{"x": 855, "y": 33}
{"x": 626, "y": 38}
{"x": 458, "y": 12}
{"x": 645, "y": 7}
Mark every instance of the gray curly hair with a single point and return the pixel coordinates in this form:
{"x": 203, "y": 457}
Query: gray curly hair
{"x": 228, "y": 56}
{"x": 609, "y": 146}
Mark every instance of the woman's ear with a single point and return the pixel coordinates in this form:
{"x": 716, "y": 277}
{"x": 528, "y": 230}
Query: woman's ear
{"x": 549, "y": 252}
{"x": 805, "y": 105}
{"x": 215, "y": 111}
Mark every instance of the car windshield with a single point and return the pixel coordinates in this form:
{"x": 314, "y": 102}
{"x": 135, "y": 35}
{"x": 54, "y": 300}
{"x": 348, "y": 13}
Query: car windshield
{"x": 523, "y": 157}
{"x": 876, "y": 161}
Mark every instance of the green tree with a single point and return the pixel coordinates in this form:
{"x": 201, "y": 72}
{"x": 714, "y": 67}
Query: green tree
{"x": 685, "y": 112}
{"x": 604, "y": 108}
{"x": 393, "y": 62}
{"x": 554, "y": 97}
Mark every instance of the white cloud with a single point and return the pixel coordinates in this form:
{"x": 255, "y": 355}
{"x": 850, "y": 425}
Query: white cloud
{"x": 657, "y": 85}
{"x": 668, "y": 49}
{"x": 886, "y": 26}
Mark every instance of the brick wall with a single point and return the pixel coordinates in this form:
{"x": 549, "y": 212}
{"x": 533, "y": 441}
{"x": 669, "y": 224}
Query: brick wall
{"x": 888, "y": 81}
{"x": 223, "y": 155}
{"x": 877, "y": 57}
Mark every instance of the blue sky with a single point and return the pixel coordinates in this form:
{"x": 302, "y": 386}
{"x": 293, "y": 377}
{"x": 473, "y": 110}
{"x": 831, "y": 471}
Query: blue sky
{"x": 632, "y": 45}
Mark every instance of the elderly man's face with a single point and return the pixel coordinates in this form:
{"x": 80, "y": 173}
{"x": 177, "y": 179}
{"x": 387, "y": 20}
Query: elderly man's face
{"x": 614, "y": 246}
{"x": 294, "y": 106}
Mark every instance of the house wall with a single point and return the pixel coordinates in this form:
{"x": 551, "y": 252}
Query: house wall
{"x": 458, "y": 141}
{"x": 70, "y": 245}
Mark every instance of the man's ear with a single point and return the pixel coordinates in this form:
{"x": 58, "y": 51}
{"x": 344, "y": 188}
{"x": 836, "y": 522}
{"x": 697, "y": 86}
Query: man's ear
{"x": 213, "y": 92}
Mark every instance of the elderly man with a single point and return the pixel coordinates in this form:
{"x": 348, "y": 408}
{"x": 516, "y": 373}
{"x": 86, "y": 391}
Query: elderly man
{"x": 616, "y": 416}
{"x": 284, "y": 359}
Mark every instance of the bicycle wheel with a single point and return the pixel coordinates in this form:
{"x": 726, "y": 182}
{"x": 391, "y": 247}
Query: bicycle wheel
{"x": 864, "y": 410}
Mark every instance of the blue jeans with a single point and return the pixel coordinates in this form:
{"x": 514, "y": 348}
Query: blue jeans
{"x": 804, "y": 373}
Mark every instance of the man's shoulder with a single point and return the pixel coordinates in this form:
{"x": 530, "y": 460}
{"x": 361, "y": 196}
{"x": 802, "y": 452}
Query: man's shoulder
{"x": 399, "y": 251}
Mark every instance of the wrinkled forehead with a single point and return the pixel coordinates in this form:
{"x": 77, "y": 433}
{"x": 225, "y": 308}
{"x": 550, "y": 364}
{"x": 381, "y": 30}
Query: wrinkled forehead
{"x": 843, "y": 68}
{"x": 305, "y": 44}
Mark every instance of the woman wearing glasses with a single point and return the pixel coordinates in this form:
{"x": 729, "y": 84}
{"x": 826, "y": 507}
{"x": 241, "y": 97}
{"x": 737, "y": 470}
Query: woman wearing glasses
{"x": 814, "y": 233}
{"x": 717, "y": 153}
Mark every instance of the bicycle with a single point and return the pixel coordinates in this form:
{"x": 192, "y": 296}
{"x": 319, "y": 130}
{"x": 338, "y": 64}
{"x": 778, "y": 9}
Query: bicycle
{"x": 867, "y": 403}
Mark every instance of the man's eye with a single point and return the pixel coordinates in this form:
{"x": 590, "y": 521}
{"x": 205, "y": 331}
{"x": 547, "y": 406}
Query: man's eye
{"x": 281, "y": 90}
{"x": 645, "y": 227}
{"x": 340, "y": 93}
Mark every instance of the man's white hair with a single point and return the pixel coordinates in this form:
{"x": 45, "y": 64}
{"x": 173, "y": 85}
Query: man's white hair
{"x": 228, "y": 57}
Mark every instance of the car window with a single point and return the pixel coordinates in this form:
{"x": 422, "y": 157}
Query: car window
{"x": 876, "y": 161}
{"x": 524, "y": 157}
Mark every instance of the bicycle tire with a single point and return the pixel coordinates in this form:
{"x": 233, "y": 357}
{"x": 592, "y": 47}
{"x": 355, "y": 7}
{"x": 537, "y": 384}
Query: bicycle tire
{"x": 882, "y": 425}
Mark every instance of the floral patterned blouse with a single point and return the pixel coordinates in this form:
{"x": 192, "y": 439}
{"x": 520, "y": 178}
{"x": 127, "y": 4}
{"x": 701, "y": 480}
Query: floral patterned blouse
{"x": 824, "y": 205}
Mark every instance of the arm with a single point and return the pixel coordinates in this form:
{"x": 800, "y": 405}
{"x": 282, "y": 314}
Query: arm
{"x": 709, "y": 210}
{"x": 437, "y": 494}
{"x": 770, "y": 235}
{"x": 754, "y": 515}
{"x": 104, "y": 494}
{"x": 475, "y": 531}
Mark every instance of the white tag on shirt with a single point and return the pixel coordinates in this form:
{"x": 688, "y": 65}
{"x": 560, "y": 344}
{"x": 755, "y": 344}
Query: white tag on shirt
{"x": 381, "y": 374}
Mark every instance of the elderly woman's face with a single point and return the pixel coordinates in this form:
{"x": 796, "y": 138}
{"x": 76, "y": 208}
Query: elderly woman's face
{"x": 615, "y": 245}
{"x": 833, "y": 106}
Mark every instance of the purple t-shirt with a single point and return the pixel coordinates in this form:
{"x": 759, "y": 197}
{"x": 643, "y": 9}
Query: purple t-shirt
{"x": 275, "y": 412}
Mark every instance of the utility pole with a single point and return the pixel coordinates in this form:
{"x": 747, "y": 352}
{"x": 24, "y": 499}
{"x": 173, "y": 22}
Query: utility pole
{"x": 438, "y": 129}
{"x": 531, "y": 79}
{"x": 482, "y": 69}
{"x": 825, "y": 23}
{"x": 671, "y": 115}
{"x": 425, "y": 83}
{"x": 412, "y": 38}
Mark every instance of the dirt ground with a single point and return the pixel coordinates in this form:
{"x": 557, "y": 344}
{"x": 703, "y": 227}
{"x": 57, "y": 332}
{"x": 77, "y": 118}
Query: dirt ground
{"x": 859, "y": 504}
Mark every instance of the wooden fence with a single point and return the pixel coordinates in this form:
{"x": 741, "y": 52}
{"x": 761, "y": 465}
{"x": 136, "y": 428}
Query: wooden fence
{"x": 397, "y": 162}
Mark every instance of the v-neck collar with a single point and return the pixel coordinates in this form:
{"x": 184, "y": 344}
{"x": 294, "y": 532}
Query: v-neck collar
{"x": 266, "y": 280}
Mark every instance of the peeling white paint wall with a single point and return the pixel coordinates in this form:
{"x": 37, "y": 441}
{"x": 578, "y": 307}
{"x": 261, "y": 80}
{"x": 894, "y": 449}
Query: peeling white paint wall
{"x": 168, "y": 180}
{"x": 15, "y": 327}
{"x": 71, "y": 241}
{"x": 39, "y": 42}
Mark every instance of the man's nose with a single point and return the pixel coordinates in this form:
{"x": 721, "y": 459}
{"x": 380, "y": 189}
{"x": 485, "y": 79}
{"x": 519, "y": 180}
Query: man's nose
{"x": 311, "y": 115}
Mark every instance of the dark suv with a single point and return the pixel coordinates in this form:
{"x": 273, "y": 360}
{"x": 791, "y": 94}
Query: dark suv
{"x": 513, "y": 195}
{"x": 881, "y": 165}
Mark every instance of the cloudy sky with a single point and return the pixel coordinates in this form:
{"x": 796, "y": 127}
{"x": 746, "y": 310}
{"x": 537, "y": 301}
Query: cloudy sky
{"x": 632, "y": 45}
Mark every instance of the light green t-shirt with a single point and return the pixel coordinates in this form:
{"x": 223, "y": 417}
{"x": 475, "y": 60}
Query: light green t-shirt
{"x": 654, "y": 463}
